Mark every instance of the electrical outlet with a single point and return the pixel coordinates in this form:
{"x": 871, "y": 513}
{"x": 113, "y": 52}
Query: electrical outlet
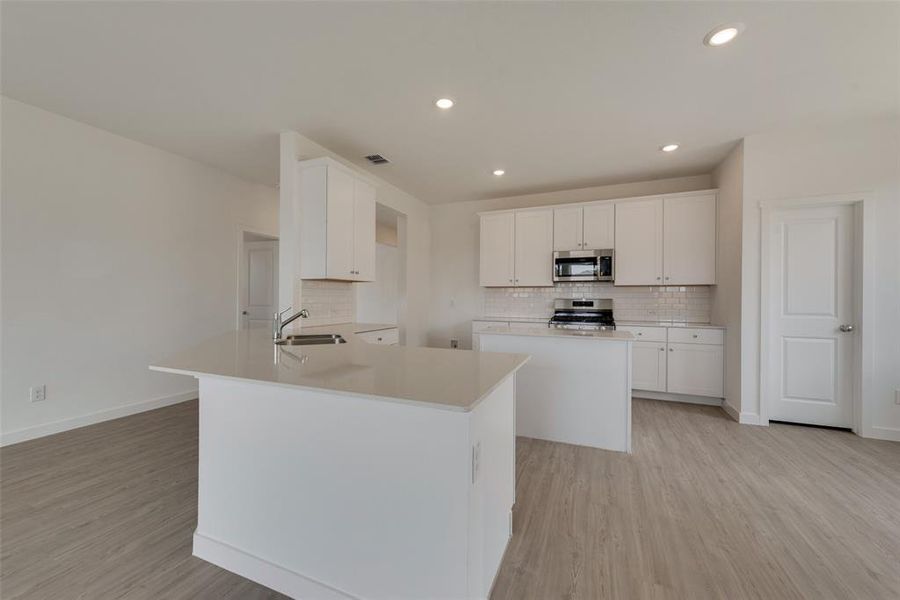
{"x": 897, "y": 397}
{"x": 37, "y": 393}
{"x": 454, "y": 343}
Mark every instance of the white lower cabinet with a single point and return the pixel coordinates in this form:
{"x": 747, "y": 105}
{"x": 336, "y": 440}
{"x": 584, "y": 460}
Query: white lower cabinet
{"x": 678, "y": 360}
{"x": 648, "y": 366}
{"x": 696, "y": 369}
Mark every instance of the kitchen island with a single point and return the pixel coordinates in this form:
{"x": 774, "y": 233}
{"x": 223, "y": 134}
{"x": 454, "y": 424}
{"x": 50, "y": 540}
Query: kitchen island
{"x": 353, "y": 470}
{"x": 575, "y": 389}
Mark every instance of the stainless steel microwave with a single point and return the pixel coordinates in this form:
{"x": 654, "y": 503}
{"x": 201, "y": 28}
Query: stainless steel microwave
{"x": 584, "y": 265}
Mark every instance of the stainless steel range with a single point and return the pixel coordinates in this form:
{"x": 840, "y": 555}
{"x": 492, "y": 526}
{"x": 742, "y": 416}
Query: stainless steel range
{"x": 590, "y": 314}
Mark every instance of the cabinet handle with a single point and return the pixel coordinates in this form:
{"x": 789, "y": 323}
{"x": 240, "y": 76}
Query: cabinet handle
{"x": 667, "y": 278}
{"x": 658, "y": 278}
{"x": 671, "y": 350}
{"x": 661, "y": 349}
{"x": 695, "y": 336}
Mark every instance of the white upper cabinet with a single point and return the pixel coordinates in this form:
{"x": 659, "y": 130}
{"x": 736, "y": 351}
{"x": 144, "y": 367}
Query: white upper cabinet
{"x": 639, "y": 244}
{"x": 534, "y": 248}
{"x": 599, "y": 227}
{"x": 658, "y": 240}
{"x": 364, "y": 231}
{"x": 567, "y": 228}
{"x": 517, "y": 249}
{"x": 497, "y": 255}
{"x": 667, "y": 241}
{"x": 689, "y": 240}
{"x": 337, "y": 224}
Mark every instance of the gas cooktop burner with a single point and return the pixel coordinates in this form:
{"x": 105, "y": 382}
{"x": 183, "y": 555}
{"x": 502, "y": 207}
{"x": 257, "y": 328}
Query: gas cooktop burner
{"x": 593, "y": 314}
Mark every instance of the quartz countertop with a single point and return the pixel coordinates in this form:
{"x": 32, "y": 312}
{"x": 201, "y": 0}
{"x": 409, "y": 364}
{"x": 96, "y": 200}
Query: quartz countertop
{"x": 622, "y": 336}
{"x": 432, "y": 377}
{"x": 685, "y": 324}
{"x": 618, "y": 322}
{"x": 298, "y": 327}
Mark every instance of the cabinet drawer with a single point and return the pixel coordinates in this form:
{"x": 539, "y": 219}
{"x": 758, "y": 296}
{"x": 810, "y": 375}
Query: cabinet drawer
{"x": 689, "y": 335}
{"x": 479, "y": 326}
{"x": 645, "y": 334}
{"x": 383, "y": 336}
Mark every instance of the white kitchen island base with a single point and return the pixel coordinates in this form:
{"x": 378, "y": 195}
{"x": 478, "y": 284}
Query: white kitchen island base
{"x": 319, "y": 494}
{"x": 575, "y": 389}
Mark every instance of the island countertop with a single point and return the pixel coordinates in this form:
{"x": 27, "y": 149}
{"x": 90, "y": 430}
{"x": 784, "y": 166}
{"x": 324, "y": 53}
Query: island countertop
{"x": 438, "y": 378}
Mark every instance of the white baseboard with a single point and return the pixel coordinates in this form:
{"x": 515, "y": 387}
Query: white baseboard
{"x": 731, "y": 411}
{"x": 36, "y": 431}
{"x": 281, "y": 579}
{"x": 891, "y": 434}
{"x": 686, "y": 398}
{"x": 748, "y": 418}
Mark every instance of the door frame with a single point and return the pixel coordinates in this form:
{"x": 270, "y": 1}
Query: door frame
{"x": 240, "y": 230}
{"x": 863, "y": 281}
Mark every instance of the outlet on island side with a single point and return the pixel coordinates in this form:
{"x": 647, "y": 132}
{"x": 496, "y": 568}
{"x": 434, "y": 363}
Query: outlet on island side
{"x": 37, "y": 393}
{"x": 897, "y": 397}
{"x": 454, "y": 343}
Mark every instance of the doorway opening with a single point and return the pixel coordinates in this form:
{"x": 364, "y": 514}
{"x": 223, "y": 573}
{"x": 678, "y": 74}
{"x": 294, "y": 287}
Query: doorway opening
{"x": 257, "y": 296}
{"x": 383, "y": 301}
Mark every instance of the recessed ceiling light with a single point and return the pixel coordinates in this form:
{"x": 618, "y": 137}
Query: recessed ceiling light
{"x": 499, "y": 172}
{"x": 444, "y": 103}
{"x": 723, "y": 34}
{"x": 669, "y": 148}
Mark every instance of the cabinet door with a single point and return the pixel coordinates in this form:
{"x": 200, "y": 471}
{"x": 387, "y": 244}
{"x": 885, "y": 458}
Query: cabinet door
{"x": 339, "y": 227}
{"x": 534, "y": 248}
{"x": 567, "y": 231}
{"x": 648, "y": 366}
{"x": 497, "y": 249}
{"x": 689, "y": 235}
{"x": 696, "y": 369}
{"x": 599, "y": 227}
{"x": 638, "y": 243}
{"x": 364, "y": 227}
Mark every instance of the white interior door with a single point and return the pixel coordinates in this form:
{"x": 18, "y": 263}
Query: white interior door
{"x": 810, "y": 302}
{"x": 259, "y": 281}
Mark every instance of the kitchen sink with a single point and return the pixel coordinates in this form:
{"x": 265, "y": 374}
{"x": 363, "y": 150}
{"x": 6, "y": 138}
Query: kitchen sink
{"x": 311, "y": 340}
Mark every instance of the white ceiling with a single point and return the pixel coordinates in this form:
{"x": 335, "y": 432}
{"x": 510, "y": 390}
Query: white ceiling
{"x": 561, "y": 95}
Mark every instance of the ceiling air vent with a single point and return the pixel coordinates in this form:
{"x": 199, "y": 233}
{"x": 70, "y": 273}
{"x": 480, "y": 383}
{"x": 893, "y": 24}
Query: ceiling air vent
{"x": 377, "y": 159}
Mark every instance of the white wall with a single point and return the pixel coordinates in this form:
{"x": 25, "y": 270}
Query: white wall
{"x": 415, "y": 226}
{"x": 379, "y": 301}
{"x": 455, "y": 294}
{"x": 114, "y": 254}
{"x": 726, "y": 295}
{"x": 848, "y": 158}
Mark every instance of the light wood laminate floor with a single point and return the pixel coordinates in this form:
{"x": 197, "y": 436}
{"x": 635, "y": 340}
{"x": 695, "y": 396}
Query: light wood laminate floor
{"x": 704, "y": 508}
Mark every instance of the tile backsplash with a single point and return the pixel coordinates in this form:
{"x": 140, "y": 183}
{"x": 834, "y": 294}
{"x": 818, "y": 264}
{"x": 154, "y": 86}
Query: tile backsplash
{"x": 667, "y": 303}
{"x": 328, "y": 302}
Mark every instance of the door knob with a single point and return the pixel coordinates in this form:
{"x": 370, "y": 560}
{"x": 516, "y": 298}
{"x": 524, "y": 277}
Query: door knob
{"x": 846, "y": 328}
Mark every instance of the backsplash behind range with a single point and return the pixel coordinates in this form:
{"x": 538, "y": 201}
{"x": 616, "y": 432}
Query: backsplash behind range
{"x": 651, "y": 303}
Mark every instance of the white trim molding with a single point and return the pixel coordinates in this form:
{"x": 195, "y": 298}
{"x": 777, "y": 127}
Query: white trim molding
{"x": 891, "y": 434}
{"x": 279, "y": 578}
{"x": 45, "y": 429}
{"x": 863, "y": 282}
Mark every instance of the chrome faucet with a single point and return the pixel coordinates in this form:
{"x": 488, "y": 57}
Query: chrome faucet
{"x": 278, "y": 324}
